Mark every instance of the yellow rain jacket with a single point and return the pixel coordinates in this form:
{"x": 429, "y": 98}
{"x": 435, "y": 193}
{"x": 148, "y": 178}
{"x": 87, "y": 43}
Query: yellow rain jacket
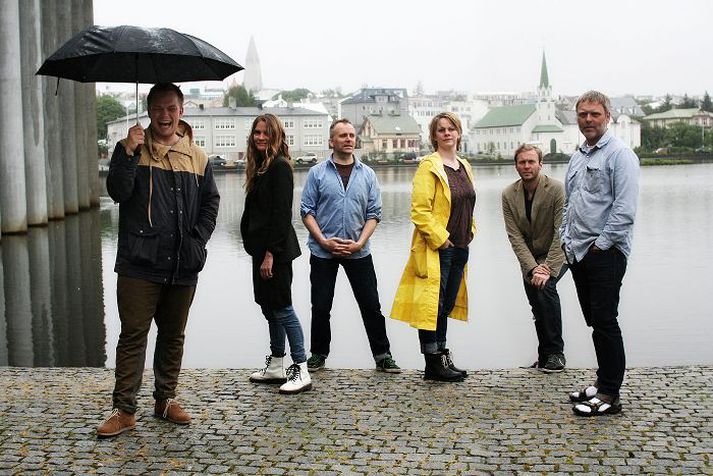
{"x": 416, "y": 300}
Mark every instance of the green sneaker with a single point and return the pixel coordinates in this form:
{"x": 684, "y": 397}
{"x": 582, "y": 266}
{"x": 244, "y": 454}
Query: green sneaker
{"x": 316, "y": 362}
{"x": 388, "y": 365}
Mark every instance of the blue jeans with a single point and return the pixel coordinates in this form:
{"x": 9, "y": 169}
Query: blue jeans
{"x": 362, "y": 278}
{"x": 546, "y": 310}
{"x": 283, "y": 322}
{"x": 598, "y": 281}
{"x": 452, "y": 262}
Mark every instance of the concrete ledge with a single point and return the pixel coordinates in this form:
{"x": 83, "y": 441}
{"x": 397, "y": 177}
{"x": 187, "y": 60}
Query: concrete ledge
{"x": 361, "y": 422}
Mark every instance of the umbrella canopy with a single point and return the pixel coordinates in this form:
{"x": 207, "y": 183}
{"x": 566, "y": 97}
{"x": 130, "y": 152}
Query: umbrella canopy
{"x": 132, "y": 54}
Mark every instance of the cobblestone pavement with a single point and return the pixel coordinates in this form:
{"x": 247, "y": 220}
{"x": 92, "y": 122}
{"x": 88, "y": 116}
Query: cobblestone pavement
{"x": 361, "y": 422}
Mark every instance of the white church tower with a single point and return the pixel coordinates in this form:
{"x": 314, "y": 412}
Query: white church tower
{"x": 545, "y": 101}
{"x": 253, "y": 75}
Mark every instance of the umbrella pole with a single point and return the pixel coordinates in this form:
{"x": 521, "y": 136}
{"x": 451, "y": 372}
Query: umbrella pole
{"x": 137, "y": 102}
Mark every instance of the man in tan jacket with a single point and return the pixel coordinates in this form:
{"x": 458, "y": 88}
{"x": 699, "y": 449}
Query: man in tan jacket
{"x": 532, "y": 210}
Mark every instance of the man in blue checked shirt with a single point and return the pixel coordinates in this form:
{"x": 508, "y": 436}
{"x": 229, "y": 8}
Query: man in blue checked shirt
{"x": 601, "y": 189}
{"x": 341, "y": 206}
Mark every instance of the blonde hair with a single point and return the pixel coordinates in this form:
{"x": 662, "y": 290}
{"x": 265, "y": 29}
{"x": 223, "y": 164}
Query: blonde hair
{"x": 434, "y": 126}
{"x": 276, "y": 147}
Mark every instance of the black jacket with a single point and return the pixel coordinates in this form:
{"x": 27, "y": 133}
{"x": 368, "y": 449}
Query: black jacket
{"x": 266, "y": 224}
{"x": 168, "y": 208}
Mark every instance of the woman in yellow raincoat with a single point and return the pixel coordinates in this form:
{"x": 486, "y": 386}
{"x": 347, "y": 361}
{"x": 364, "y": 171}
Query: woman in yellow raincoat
{"x": 433, "y": 287}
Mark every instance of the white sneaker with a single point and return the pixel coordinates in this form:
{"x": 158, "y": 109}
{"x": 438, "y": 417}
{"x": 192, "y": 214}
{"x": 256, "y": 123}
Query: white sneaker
{"x": 274, "y": 371}
{"x": 298, "y": 379}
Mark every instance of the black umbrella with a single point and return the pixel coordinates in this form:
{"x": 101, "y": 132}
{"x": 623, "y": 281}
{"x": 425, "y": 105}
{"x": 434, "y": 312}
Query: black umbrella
{"x": 132, "y": 54}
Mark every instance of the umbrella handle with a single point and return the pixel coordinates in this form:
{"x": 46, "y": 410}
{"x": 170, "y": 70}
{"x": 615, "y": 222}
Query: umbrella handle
{"x": 137, "y": 99}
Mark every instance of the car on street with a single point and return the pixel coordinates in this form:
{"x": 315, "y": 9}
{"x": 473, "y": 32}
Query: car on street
{"x": 217, "y": 161}
{"x": 308, "y": 158}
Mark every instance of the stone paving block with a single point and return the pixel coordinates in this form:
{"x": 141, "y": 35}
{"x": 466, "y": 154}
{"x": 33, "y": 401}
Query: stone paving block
{"x": 488, "y": 424}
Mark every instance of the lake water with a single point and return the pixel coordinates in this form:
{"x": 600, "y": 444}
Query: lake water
{"x": 58, "y": 303}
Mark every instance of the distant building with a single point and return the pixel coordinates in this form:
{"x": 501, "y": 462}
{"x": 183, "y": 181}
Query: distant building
{"x": 224, "y": 130}
{"x": 626, "y": 105}
{"x": 389, "y": 133}
{"x": 369, "y": 101}
{"x": 470, "y": 110}
{"x": 503, "y": 129}
{"x": 694, "y": 117}
{"x": 253, "y": 74}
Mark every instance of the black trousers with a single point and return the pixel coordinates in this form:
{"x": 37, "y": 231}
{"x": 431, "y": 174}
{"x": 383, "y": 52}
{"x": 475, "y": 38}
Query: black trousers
{"x": 546, "y": 310}
{"x": 598, "y": 280}
{"x": 362, "y": 278}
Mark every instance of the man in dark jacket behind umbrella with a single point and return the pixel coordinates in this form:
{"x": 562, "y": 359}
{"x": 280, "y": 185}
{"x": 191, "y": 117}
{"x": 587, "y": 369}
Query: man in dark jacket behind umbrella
{"x": 168, "y": 208}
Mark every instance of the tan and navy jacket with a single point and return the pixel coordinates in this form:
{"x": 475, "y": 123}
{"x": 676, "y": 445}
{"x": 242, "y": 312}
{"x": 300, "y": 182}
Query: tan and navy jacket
{"x": 168, "y": 206}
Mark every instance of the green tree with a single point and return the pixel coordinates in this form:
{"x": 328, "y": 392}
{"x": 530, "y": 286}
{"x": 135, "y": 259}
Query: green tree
{"x": 108, "y": 109}
{"x": 683, "y": 135}
{"x": 666, "y": 106}
{"x": 243, "y": 98}
{"x": 295, "y": 95}
{"x": 688, "y": 103}
{"x": 332, "y": 93}
{"x": 706, "y": 104}
{"x": 652, "y": 137}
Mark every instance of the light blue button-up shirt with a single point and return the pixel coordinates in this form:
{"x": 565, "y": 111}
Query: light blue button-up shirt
{"x": 340, "y": 213}
{"x": 602, "y": 188}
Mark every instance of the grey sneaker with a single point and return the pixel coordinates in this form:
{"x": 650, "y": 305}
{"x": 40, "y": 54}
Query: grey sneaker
{"x": 388, "y": 365}
{"x": 316, "y": 362}
{"x": 555, "y": 364}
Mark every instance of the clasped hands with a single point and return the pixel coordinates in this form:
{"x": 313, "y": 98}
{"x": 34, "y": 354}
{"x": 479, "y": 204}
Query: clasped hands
{"x": 540, "y": 275}
{"x": 341, "y": 247}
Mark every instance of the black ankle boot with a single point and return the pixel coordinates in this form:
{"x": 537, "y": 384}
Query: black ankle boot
{"x": 437, "y": 369}
{"x": 449, "y": 358}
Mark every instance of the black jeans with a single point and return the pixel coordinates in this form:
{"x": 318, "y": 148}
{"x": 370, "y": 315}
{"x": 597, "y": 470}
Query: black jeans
{"x": 547, "y": 313}
{"x": 598, "y": 281}
{"x": 362, "y": 278}
{"x": 141, "y": 302}
{"x": 452, "y": 261}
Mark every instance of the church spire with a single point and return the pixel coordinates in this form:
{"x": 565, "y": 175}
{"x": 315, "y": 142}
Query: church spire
{"x": 253, "y": 76}
{"x": 544, "y": 79}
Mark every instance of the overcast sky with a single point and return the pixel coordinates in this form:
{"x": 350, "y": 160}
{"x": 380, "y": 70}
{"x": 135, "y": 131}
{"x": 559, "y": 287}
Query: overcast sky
{"x": 617, "y": 46}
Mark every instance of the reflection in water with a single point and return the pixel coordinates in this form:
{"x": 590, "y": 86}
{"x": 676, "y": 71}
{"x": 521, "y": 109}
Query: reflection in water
{"x": 51, "y": 295}
{"x": 665, "y": 319}
{"x": 54, "y": 315}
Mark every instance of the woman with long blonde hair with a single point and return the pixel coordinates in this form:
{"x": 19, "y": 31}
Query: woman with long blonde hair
{"x": 269, "y": 237}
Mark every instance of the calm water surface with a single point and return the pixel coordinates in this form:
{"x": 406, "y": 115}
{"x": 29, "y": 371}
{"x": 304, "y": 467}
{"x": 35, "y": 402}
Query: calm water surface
{"x": 60, "y": 305}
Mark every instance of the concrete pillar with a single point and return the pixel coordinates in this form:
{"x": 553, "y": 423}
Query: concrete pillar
{"x": 3, "y": 322}
{"x": 92, "y": 288}
{"x": 60, "y": 308}
{"x": 33, "y": 113}
{"x": 67, "y": 117}
{"x": 13, "y": 199}
{"x": 73, "y": 289}
{"x": 91, "y": 118}
{"x": 53, "y": 142}
{"x": 80, "y": 116}
{"x": 41, "y": 305}
{"x": 18, "y": 312}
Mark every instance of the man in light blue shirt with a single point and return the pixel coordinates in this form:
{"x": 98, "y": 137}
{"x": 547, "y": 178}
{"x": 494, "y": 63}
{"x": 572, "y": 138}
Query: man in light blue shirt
{"x": 341, "y": 206}
{"x": 601, "y": 187}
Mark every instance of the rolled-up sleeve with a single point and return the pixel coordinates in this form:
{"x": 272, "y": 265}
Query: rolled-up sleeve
{"x": 373, "y": 208}
{"x": 308, "y": 201}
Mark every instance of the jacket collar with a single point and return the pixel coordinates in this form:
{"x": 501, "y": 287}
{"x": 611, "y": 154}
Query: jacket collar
{"x": 183, "y": 146}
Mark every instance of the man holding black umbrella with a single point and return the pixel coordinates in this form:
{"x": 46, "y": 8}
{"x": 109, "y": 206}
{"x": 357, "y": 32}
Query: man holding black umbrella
{"x": 168, "y": 209}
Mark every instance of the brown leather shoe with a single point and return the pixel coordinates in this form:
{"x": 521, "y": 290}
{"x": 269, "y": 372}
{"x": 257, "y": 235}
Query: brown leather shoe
{"x": 170, "y": 410}
{"x": 116, "y": 423}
